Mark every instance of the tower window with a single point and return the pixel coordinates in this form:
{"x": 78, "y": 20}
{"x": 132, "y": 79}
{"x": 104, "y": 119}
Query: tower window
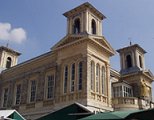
{"x": 103, "y": 80}
{"x": 93, "y": 26}
{"x": 65, "y": 78}
{"x": 92, "y": 75}
{"x": 140, "y": 60}
{"x": 129, "y": 61}
{"x": 18, "y": 94}
{"x": 80, "y": 75}
{"x": 72, "y": 77}
{"x": 76, "y": 28}
{"x": 97, "y": 77}
{"x": 8, "y": 62}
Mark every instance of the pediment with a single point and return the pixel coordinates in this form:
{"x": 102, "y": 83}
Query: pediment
{"x": 66, "y": 40}
{"x": 103, "y": 42}
{"x": 99, "y": 40}
{"x": 149, "y": 73}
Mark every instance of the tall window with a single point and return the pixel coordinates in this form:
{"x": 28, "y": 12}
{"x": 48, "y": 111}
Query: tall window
{"x": 8, "y": 62}
{"x": 140, "y": 60}
{"x": 92, "y": 75}
{"x": 80, "y": 77}
{"x": 97, "y": 77}
{"x": 103, "y": 80}
{"x": 65, "y": 78}
{"x": 76, "y": 28}
{"x": 50, "y": 86}
{"x": 72, "y": 77}
{"x": 127, "y": 92}
{"x": 18, "y": 94}
{"x": 5, "y": 97}
{"x": 117, "y": 91}
{"x": 129, "y": 61}
{"x": 33, "y": 91}
{"x": 93, "y": 26}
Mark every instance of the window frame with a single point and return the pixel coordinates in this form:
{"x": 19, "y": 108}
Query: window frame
{"x": 80, "y": 75}
{"x": 31, "y": 100}
{"x": 18, "y": 94}
{"x": 65, "y": 79}
{"x": 72, "y": 77}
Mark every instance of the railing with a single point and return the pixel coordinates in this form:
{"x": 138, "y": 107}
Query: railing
{"x": 131, "y": 103}
{"x": 98, "y": 97}
{"x": 125, "y": 100}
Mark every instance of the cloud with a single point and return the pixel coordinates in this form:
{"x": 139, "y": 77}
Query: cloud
{"x": 17, "y": 35}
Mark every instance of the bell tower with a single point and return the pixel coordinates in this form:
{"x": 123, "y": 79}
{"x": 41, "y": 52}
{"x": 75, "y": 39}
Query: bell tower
{"x": 8, "y": 58}
{"x": 84, "y": 19}
{"x": 132, "y": 59}
{"x": 133, "y": 71}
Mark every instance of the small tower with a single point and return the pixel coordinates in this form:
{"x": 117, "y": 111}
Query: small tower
{"x": 8, "y": 58}
{"x": 133, "y": 71}
{"x": 84, "y": 19}
{"x": 131, "y": 59}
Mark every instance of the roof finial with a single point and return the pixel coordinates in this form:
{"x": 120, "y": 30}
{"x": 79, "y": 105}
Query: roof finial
{"x": 130, "y": 39}
{"x": 7, "y": 44}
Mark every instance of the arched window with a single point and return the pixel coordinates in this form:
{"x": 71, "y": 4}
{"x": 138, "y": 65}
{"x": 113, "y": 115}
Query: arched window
{"x": 140, "y": 60}
{"x": 129, "y": 61}
{"x": 92, "y": 76}
{"x": 93, "y": 26}
{"x": 97, "y": 77}
{"x": 76, "y": 28}
{"x": 65, "y": 78}
{"x": 80, "y": 75}
{"x": 8, "y": 62}
{"x": 72, "y": 77}
{"x": 103, "y": 80}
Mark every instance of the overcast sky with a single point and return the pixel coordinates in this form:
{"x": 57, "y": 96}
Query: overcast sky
{"x": 32, "y": 27}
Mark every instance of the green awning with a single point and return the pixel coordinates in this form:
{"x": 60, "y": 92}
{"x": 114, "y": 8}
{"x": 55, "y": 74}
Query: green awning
{"x": 142, "y": 115}
{"x": 117, "y": 115}
{"x": 72, "y": 112}
{"x": 10, "y": 115}
{"x": 123, "y": 115}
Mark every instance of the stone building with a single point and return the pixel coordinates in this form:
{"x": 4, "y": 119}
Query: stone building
{"x": 76, "y": 69}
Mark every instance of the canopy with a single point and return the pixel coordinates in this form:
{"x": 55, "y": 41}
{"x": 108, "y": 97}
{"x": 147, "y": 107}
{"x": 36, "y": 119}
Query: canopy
{"x": 123, "y": 115}
{"x": 72, "y": 112}
{"x": 117, "y": 115}
{"x": 10, "y": 115}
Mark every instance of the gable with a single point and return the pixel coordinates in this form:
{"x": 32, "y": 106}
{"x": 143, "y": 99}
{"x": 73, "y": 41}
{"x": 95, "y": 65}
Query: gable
{"x": 103, "y": 43}
{"x": 71, "y": 112}
{"x": 71, "y": 39}
{"x": 149, "y": 74}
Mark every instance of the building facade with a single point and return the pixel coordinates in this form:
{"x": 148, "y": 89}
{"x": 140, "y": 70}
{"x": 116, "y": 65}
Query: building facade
{"x": 76, "y": 69}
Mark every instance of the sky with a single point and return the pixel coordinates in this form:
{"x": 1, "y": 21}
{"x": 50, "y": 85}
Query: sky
{"x": 32, "y": 27}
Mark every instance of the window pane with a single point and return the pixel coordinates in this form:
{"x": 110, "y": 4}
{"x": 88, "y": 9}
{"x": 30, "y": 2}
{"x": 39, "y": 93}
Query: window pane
{"x": 92, "y": 75}
{"x": 72, "y": 77}
{"x": 65, "y": 78}
{"x": 50, "y": 86}
{"x": 80, "y": 76}
{"x": 5, "y": 100}
{"x": 33, "y": 91}
{"x": 18, "y": 94}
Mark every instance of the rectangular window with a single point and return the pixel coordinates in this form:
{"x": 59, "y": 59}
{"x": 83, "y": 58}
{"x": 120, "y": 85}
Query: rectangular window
{"x": 5, "y": 100}
{"x": 33, "y": 91}
{"x": 92, "y": 75}
{"x": 50, "y": 86}
{"x": 18, "y": 94}
{"x": 80, "y": 76}
{"x": 97, "y": 77}
{"x": 72, "y": 77}
{"x": 65, "y": 78}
